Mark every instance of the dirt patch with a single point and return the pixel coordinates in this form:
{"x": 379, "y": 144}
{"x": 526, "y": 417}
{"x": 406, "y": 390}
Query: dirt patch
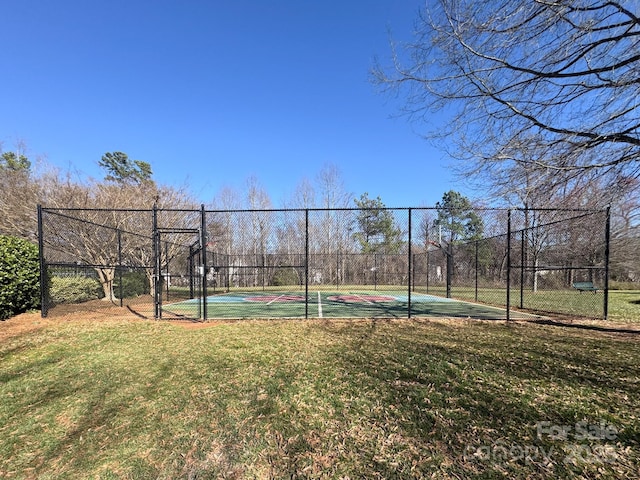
{"x": 140, "y": 306}
{"x": 21, "y": 324}
{"x": 90, "y": 311}
{"x": 138, "y": 309}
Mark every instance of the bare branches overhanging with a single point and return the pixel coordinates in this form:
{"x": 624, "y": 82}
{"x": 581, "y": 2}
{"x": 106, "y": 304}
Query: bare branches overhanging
{"x": 550, "y": 85}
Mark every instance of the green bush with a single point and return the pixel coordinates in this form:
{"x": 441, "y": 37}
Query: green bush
{"x": 74, "y": 289}
{"x": 19, "y": 276}
{"x": 134, "y": 284}
{"x": 284, "y": 277}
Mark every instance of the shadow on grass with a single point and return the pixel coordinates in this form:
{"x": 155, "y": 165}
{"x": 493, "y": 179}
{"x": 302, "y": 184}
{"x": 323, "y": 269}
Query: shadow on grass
{"x": 136, "y": 313}
{"x": 450, "y": 390}
{"x": 596, "y": 328}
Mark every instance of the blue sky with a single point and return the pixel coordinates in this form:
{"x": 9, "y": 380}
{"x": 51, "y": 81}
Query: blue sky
{"x": 212, "y": 92}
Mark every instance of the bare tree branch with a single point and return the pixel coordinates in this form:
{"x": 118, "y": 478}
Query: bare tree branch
{"x": 547, "y": 84}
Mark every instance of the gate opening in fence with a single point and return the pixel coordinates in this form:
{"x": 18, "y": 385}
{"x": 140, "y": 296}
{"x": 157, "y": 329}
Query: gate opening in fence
{"x": 328, "y": 263}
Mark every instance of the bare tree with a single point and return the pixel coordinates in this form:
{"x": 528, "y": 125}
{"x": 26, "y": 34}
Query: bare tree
{"x": 540, "y": 87}
{"x": 19, "y": 192}
{"x": 625, "y": 234}
{"x": 111, "y": 223}
{"x": 261, "y": 221}
{"x": 227, "y": 200}
{"x": 331, "y": 188}
{"x": 332, "y": 195}
{"x": 304, "y": 195}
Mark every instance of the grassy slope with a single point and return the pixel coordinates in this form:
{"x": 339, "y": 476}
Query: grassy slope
{"x": 366, "y": 399}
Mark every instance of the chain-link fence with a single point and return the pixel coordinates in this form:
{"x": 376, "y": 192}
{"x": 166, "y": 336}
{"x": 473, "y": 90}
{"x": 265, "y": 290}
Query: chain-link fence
{"x": 301, "y": 263}
{"x": 559, "y": 261}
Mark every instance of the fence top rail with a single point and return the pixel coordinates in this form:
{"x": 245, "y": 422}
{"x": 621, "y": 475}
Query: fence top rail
{"x": 101, "y": 225}
{"x": 554, "y": 209}
{"x": 584, "y": 214}
{"x": 317, "y": 209}
{"x": 314, "y": 209}
{"x": 94, "y": 209}
{"x": 105, "y": 265}
{"x": 356, "y": 209}
{"x": 542, "y": 267}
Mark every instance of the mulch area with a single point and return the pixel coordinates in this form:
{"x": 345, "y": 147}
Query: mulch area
{"x": 139, "y": 309}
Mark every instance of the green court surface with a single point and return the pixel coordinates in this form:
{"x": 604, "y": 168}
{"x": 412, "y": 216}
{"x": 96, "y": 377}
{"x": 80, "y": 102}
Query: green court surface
{"x": 343, "y": 304}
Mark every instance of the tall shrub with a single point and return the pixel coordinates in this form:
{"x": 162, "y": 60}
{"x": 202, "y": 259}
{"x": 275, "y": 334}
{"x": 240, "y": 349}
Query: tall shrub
{"x": 74, "y": 289}
{"x": 19, "y": 276}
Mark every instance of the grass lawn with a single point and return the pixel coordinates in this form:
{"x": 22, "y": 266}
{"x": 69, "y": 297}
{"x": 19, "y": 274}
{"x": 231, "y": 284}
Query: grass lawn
{"x": 124, "y": 398}
{"x": 624, "y": 305}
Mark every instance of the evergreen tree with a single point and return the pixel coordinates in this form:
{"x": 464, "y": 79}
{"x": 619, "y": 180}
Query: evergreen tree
{"x": 15, "y": 163}
{"x": 377, "y": 229}
{"x": 457, "y": 218}
{"x": 121, "y": 169}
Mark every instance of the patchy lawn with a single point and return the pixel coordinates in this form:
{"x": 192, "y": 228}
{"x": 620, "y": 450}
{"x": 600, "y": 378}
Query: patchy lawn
{"x": 114, "y": 396}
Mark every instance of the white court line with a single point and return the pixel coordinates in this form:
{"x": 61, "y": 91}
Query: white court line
{"x": 276, "y": 299}
{"x": 363, "y": 299}
{"x": 319, "y": 306}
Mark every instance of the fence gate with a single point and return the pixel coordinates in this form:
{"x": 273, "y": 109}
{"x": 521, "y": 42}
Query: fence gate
{"x": 179, "y": 264}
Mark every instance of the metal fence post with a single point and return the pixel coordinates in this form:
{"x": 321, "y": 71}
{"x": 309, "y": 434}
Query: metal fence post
{"x": 508, "y": 264}
{"x": 427, "y": 255}
{"x": 449, "y": 255}
{"x": 203, "y": 242}
{"x": 607, "y": 234}
{"x": 157, "y": 294}
{"x": 44, "y": 297}
{"x": 306, "y": 263}
{"x": 156, "y": 260}
{"x": 409, "y": 269}
{"x": 120, "y": 287}
{"x": 476, "y": 272}
{"x": 523, "y": 259}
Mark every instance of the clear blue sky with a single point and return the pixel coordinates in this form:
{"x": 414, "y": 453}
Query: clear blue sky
{"x": 211, "y": 92}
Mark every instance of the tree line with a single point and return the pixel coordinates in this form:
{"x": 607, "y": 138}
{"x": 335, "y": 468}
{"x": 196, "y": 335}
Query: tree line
{"x": 542, "y": 97}
{"x": 129, "y": 184}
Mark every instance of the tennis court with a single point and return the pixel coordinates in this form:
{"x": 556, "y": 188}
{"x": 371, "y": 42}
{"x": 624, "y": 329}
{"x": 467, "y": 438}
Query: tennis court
{"x": 332, "y": 263}
{"x": 328, "y": 304}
